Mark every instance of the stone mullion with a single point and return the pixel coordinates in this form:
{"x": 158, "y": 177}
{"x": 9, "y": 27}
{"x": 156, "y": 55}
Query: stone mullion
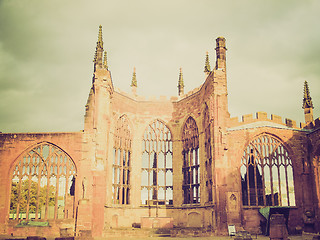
{"x": 14, "y": 173}
{"x": 124, "y": 186}
{"x": 255, "y": 180}
{"x": 115, "y": 172}
{"x": 279, "y": 181}
{"x": 191, "y": 177}
{"x": 48, "y": 186}
{"x": 57, "y": 189}
{"x": 188, "y": 173}
{"x": 19, "y": 191}
{"x": 66, "y": 187}
{"x": 248, "y": 185}
{"x": 167, "y": 170}
{"x": 113, "y": 184}
{"x": 128, "y": 173}
{"x": 121, "y": 177}
{"x": 262, "y": 164}
{"x": 271, "y": 182}
{"x": 258, "y": 162}
{"x": 208, "y": 160}
{"x": 148, "y": 172}
{"x": 125, "y": 194}
{"x": 197, "y": 168}
{"x": 183, "y": 175}
{"x": 116, "y": 185}
{"x": 125, "y": 175}
{"x": 287, "y": 185}
{"x": 198, "y": 175}
{"x": 40, "y": 167}
{"x": 165, "y": 142}
{"x": 128, "y": 195}
{"x": 157, "y": 167}
{"x": 28, "y": 198}
{"x": 74, "y": 176}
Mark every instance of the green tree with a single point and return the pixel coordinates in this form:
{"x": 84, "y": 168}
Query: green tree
{"x": 24, "y": 192}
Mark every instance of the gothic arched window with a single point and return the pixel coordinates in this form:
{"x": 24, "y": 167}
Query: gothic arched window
{"x": 267, "y": 173}
{"x": 43, "y": 184}
{"x": 156, "y": 176}
{"x": 191, "y": 165}
{"x": 121, "y": 162}
{"x": 207, "y": 146}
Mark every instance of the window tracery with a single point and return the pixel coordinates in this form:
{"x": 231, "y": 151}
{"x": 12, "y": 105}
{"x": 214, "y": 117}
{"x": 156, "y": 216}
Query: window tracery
{"x": 121, "y": 162}
{"x": 156, "y": 176}
{"x": 267, "y": 174}
{"x": 191, "y": 165}
{"x": 43, "y": 184}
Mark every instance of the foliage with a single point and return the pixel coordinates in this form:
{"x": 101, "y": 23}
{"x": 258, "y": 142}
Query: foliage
{"x": 24, "y": 192}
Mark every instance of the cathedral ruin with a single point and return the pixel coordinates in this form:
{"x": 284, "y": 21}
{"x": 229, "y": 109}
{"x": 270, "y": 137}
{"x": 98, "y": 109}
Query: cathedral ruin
{"x": 178, "y": 163}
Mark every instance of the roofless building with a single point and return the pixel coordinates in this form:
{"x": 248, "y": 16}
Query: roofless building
{"x": 178, "y": 163}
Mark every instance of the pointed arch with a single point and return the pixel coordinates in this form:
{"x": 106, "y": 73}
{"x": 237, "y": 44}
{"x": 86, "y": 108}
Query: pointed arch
{"x": 43, "y": 184}
{"x": 184, "y": 121}
{"x": 191, "y": 164}
{"x": 157, "y": 171}
{"x": 122, "y": 150}
{"x": 267, "y": 173}
{"x": 153, "y": 124}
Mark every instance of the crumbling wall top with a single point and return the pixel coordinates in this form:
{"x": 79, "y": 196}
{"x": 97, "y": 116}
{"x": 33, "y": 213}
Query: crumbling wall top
{"x": 263, "y": 118}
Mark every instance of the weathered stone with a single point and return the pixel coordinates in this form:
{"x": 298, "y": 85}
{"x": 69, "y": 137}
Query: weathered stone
{"x": 208, "y": 187}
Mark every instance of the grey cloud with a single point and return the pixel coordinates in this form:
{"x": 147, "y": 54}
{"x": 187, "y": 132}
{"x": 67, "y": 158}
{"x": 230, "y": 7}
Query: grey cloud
{"x": 47, "y": 47}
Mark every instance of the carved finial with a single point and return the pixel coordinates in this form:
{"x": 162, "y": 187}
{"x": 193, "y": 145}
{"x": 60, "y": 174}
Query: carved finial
{"x": 307, "y": 104}
{"x": 100, "y": 42}
{"x": 180, "y": 84}
{"x": 307, "y": 101}
{"x": 134, "y": 78}
{"x": 99, "y": 51}
{"x": 207, "y": 64}
{"x": 105, "y": 62}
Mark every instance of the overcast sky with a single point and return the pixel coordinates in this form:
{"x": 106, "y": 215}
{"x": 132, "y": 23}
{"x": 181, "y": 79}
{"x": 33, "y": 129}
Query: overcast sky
{"x": 47, "y": 48}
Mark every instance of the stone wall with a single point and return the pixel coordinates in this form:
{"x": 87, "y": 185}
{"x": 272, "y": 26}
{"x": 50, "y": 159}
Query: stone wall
{"x": 92, "y": 152}
{"x": 14, "y": 145}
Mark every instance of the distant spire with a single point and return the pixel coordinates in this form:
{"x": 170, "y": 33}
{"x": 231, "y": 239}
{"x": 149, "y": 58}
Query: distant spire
{"x": 207, "y": 64}
{"x": 134, "y": 78}
{"x": 180, "y": 84}
{"x": 307, "y": 101}
{"x": 99, "y": 51}
{"x": 105, "y": 62}
{"x": 100, "y": 41}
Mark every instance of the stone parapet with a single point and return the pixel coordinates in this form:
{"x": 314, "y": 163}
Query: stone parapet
{"x": 263, "y": 116}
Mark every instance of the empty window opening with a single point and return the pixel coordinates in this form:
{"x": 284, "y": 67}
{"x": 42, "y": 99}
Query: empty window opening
{"x": 43, "y": 185}
{"x": 121, "y": 162}
{"x": 156, "y": 175}
{"x": 191, "y": 165}
{"x": 267, "y": 174}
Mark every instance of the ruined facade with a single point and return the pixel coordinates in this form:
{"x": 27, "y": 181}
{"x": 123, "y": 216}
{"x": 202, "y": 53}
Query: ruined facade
{"x": 180, "y": 162}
